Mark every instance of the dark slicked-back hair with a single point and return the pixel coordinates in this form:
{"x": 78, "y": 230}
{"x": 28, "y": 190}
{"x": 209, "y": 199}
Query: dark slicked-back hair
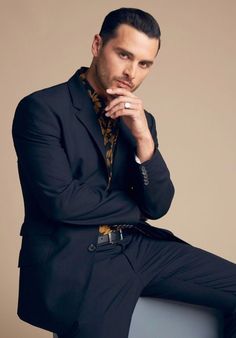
{"x": 136, "y": 18}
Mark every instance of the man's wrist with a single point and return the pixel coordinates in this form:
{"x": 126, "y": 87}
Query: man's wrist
{"x": 145, "y": 149}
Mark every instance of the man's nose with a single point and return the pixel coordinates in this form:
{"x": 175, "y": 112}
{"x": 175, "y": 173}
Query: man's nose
{"x": 130, "y": 71}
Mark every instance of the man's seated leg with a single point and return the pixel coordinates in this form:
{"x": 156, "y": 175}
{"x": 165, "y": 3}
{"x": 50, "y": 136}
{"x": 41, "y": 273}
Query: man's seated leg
{"x": 181, "y": 272}
{"x": 111, "y": 296}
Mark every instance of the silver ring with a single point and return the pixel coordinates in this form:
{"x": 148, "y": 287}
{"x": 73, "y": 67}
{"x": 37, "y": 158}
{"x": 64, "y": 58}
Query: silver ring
{"x": 127, "y": 105}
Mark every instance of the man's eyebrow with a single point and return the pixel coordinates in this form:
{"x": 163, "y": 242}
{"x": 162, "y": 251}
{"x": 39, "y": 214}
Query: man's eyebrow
{"x": 119, "y": 49}
{"x": 125, "y": 51}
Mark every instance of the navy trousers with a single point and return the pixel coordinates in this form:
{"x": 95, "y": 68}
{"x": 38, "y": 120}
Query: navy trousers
{"x": 141, "y": 266}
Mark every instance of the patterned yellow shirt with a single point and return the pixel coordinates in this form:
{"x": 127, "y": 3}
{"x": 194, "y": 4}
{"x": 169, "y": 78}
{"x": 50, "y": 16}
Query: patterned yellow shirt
{"x": 109, "y": 129}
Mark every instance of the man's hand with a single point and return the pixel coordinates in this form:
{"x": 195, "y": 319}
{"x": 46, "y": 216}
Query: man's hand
{"x": 134, "y": 117}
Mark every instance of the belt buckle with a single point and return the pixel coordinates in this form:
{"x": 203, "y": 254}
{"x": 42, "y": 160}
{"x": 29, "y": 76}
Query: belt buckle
{"x": 110, "y": 239}
{"x": 121, "y": 234}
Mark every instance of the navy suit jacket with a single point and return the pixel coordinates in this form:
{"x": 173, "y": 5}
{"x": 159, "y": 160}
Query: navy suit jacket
{"x": 62, "y": 170}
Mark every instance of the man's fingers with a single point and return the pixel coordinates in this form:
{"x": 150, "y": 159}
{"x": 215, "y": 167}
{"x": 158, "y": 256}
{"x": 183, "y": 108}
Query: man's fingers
{"x": 122, "y": 100}
{"x": 121, "y": 112}
{"x": 121, "y": 106}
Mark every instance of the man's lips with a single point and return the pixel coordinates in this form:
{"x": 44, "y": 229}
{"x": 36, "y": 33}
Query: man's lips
{"x": 124, "y": 84}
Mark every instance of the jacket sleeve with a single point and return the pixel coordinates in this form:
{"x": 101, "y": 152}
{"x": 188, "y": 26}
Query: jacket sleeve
{"x": 47, "y": 173}
{"x": 152, "y": 187}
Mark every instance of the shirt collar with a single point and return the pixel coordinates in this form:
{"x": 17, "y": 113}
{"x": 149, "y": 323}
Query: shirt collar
{"x": 98, "y": 101}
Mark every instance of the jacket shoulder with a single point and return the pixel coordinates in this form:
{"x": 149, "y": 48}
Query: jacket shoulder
{"x": 48, "y": 95}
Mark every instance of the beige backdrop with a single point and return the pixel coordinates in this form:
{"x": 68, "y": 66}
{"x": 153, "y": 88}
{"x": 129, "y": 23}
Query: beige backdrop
{"x": 190, "y": 91}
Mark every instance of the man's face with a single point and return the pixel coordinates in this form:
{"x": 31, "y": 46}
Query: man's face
{"x": 124, "y": 61}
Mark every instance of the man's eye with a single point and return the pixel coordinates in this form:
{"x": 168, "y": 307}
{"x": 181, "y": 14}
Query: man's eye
{"x": 123, "y": 55}
{"x": 144, "y": 65}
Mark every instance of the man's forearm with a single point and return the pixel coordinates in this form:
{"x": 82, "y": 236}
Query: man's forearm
{"x": 152, "y": 186}
{"x": 145, "y": 148}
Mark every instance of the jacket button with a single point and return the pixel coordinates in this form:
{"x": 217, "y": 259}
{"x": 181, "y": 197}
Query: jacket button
{"x": 146, "y": 181}
{"x": 91, "y": 247}
{"x": 143, "y": 169}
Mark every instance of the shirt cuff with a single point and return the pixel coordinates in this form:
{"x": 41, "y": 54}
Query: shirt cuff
{"x": 137, "y": 160}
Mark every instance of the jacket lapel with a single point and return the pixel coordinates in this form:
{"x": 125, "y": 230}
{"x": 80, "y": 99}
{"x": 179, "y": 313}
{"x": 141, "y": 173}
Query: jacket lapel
{"x": 85, "y": 112}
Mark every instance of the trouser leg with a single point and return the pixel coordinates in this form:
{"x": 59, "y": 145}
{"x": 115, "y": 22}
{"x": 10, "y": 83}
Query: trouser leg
{"x": 112, "y": 293}
{"x": 185, "y": 273}
{"x": 144, "y": 266}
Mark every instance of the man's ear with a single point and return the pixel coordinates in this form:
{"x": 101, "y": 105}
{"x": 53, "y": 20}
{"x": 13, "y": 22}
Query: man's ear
{"x": 96, "y": 45}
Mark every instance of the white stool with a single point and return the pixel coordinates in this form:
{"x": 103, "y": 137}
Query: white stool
{"x": 157, "y": 318}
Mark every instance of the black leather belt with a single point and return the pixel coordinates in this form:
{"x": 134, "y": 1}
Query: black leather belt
{"x": 112, "y": 237}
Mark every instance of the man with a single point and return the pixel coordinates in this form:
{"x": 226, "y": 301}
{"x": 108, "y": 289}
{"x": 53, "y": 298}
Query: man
{"x": 91, "y": 175}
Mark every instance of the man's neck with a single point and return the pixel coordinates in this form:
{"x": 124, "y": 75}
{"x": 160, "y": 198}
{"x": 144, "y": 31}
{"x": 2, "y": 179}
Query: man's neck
{"x": 91, "y": 77}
